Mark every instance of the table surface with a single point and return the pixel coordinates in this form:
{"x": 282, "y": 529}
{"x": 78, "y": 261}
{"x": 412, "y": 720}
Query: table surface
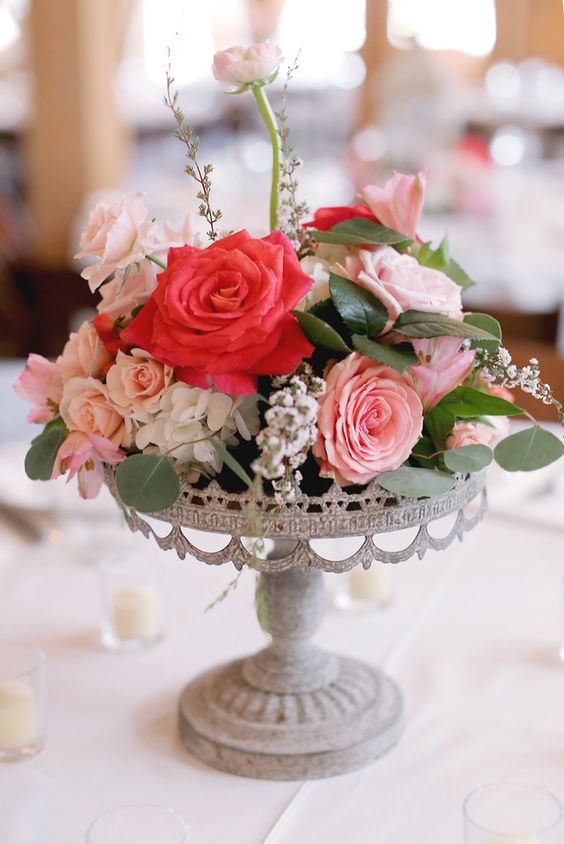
{"x": 472, "y": 638}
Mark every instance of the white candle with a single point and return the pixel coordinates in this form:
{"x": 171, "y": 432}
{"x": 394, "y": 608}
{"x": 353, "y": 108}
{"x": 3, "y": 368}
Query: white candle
{"x": 375, "y": 584}
{"x": 136, "y": 612}
{"x": 18, "y": 720}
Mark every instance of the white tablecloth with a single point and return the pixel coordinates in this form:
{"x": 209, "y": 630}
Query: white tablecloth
{"x": 472, "y": 638}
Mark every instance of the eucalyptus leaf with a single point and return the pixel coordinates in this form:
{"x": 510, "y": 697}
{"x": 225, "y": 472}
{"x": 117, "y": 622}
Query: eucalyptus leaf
{"x": 397, "y": 357}
{"x": 359, "y": 230}
{"x": 320, "y": 333}
{"x": 416, "y": 483}
{"x": 422, "y": 324}
{"x": 40, "y": 458}
{"x": 489, "y": 324}
{"x": 359, "y": 309}
{"x": 528, "y": 450}
{"x": 147, "y": 482}
{"x": 467, "y": 402}
{"x": 468, "y": 458}
{"x": 231, "y": 461}
{"x": 458, "y": 275}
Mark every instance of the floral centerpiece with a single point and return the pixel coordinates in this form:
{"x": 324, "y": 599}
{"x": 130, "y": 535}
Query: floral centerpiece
{"x": 336, "y": 347}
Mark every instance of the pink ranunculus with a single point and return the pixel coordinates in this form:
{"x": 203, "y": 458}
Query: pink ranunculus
{"x": 84, "y": 354}
{"x": 402, "y": 284}
{"x": 117, "y": 235}
{"x": 478, "y": 433}
{"x": 398, "y": 204}
{"x": 120, "y": 297}
{"x": 241, "y": 65}
{"x": 137, "y": 382}
{"x": 84, "y": 454}
{"x": 41, "y": 385}
{"x": 86, "y": 406}
{"x": 441, "y": 367}
{"x": 369, "y": 420}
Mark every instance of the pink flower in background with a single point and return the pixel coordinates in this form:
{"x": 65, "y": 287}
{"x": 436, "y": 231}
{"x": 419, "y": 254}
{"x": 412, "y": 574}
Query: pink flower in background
{"x": 441, "y": 367}
{"x": 84, "y": 354}
{"x": 478, "y": 433}
{"x": 120, "y": 297}
{"x": 118, "y": 235}
{"x": 398, "y": 204}
{"x": 241, "y": 65}
{"x": 402, "y": 284}
{"x": 41, "y": 385}
{"x": 137, "y": 382}
{"x": 500, "y": 391}
{"x": 84, "y": 454}
{"x": 369, "y": 420}
{"x": 86, "y": 406}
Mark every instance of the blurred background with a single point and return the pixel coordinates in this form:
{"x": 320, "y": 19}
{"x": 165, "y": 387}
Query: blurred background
{"x": 471, "y": 90}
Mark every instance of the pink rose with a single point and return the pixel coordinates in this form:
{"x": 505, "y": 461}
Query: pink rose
{"x": 398, "y": 204}
{"x": 118, "y": 235}
{"x": 478, "y": 433}
{"x": 86, "y": 406}
{"x": 84, "y": 454}
{"x": 402, "y": 284}
{"x": 369, "y": 420}
{"x": 84, "y": 354}
{"x": 40, "y": 384}
{"x": 120, "y": 297}
{"x": 137, "y": 382}
{"x": 441, "y": 367}
{"x": 242, "y": 65}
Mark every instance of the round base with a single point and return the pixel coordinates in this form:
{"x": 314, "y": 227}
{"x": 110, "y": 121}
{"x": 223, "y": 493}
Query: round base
{"x": 233, "y": 726}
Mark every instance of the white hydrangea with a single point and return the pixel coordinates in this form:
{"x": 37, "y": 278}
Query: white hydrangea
{"x": 318, "y": 269}
{"x": 188, "y": 416}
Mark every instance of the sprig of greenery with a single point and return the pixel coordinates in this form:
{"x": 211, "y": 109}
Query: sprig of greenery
{"x": 201, "y": 174}
{"x": 292, "y": 211}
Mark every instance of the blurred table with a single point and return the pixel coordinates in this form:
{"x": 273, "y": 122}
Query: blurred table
{"x": 472, "y": 638}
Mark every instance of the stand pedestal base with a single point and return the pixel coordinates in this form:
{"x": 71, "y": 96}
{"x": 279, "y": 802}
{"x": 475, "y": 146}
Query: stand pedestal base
{"x": 232, "y": 725}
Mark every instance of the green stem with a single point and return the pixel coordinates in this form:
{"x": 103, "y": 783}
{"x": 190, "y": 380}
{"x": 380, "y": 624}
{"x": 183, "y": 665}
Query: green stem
{"x": 270, "y": 122}
{"x": 156, "y": 261}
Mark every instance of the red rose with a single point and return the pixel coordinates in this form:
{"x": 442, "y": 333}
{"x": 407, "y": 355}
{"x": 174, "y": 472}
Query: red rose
{"x": 224, "y": 311}
{"x": 325, "y": 218}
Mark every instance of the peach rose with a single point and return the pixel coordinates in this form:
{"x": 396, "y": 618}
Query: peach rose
{"x": 118, "y": 235}
{"x": 369, "y": 420}
{"x": 402, "y": 284}
{"x": 478, "y": 433}
{"x": 137, "y": 382}
{"x": 41, "y": 385}
{"x": 242, "y": 65}
{"x": 86, "y": 406}
{"x": 441, "y": 367}
{"x": 84, "y": 354}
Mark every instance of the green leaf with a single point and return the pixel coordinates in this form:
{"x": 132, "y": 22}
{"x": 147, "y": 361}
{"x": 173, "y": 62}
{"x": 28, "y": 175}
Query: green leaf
{"x": 439, "y": 422}
{"x": 319, "y": 332}
{"x": 489, "y": 324}
{"x": 40, "y": 458}
{"x": 458, "y": 275}
{"x": 528, "y": 450}
{"x": 359, "y": 309}
{"x": 398, "y": 357}
{"x": 422, "y": 452}
{"x": 467, "y": 402}
{"x": 468, "y": 458}
{"x": 147, "y": 482}
{"x": 416, "y": 483}
{"x": 231, "y": 461}
{"x": 421, "y": 324}
{"x": 360, "y": 231}
{"x": 437, "y": 259}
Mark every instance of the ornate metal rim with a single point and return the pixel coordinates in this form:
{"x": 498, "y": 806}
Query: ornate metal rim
{"x": 336, "y": 514}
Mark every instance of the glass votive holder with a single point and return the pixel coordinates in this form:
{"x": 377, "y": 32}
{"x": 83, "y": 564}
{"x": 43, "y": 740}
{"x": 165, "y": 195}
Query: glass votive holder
{"x": 143, "y": 824}
{"x": 131, "y": 603}
{"x": 512, "y": 813}
{"x": 22, "y": 702}
{"x": 361, "y": 590}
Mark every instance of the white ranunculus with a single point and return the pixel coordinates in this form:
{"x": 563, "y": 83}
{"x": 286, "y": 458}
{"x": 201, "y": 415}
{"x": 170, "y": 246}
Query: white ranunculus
{"x": 188, "y": 416}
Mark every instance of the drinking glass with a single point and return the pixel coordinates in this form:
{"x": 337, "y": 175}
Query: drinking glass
{"x": 143, "y": 824}
{"x": 22, "y": 702}
{"x": 512, "y": 813}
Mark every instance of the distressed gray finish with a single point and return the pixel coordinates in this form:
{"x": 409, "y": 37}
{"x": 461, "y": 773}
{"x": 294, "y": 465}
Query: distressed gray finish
{"x": 294, "y": 711}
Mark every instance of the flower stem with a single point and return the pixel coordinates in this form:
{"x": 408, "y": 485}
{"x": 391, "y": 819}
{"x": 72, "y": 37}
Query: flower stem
{"x": 156, "y": 261}
{"x": 270, "y": 122}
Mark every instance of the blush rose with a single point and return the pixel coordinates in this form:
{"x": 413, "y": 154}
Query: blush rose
{"x": 84, "y": 354}
{"x": 136, "y": 383}
{"x": 86, "y": 406}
